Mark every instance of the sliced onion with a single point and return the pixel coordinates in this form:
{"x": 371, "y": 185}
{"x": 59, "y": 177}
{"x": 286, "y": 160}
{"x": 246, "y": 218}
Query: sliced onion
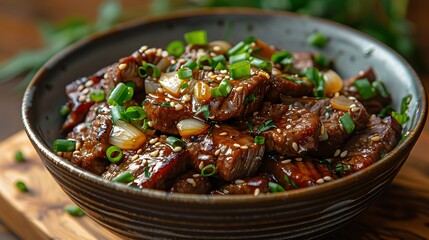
{"x": 126, "y": 136}
{"x": 219, "y": 47}
{"x": 190, "y": 127}
{"x": 163, "y": 64}
{"x": 323, "y": 134}
{"x": 333, "y": 82}
{"x": 341, "y": 103}
{"x": 151, "y": 85}
{"x": 171, "y": 83}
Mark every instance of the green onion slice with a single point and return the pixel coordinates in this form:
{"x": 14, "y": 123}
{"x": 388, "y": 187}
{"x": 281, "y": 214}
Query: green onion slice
{"x": 184, "y": 73}
{"x": 198, "y": 37}
{"x": 259, "y": 140}
{"x": 208, "y": 170}
{"x": 119, "y": 95}
{"x": 239, "y": 70}
{"x": 190, "y": 64}
{"x": 74, "y": 210}
{"x": 239, "y": 57}
{"x": 148, "y": 69}
{"x": 275, "y": 187}
{"x": 176, "y": 48}
{"x": 204, "y": 61}
{"x": 118, "y": 113}
{"x": 135, "y": 113}
{"x": 19, "y": 157}
{"x": 165, "y": 104}
{"x": 262, "y": 64}
{"x": 290, "y": 181}
{"x": 97, "y": 95}
{"x": 220, "y": 66}
{"x": 318, "y": 81}
{"x": 21, "y": 186}
{"x": 114, "y": 154}
{"x": 64, "y": 110}
{"x": 386, "y": 111}
{"x": 225, "y": 87}
{"x": 219, "y": 59}
{"x": 146, "y": 125}
{"x": 240, "y": 47}
{"x": 215, "y": 92}
{"x": 124, "y": 177}
{"x": 295, "y": 80}
{"x": 175, "y": 142}
{"x": 364, "y": 88}
{"x": 64, "y": 145}
{"x": 348, "y": 123}
{"x": 283, "y": 56}
{"x": 318, "y": 40}
{"x": 184, "y": 85}
{"x": 321, "y": 60}
{"x": 405, "y": 103}
{"x": 266, "y": 126}
{"x": 400, "y": 117}
{"x": 204, "y": 110}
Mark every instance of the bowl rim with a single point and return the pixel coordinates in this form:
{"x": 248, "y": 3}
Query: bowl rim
{"x": 37, "y": 142}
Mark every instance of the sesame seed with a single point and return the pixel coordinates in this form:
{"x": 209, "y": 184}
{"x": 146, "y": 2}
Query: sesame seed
{"x": 217, "y": 152}
{"x": 80, "y": 88}
{"x": 164, "y": 54}
{"x": 223, "y": 71}
{"x": 218, "y": 78}
{"x": 320, "y": 181}
{"x": 186, "y": 98}
{"x": 376, "y": 138}
{"x": 236, "y": 145}
{"x": 352, "y": 98}
{"x": 244, "y": 147}
{"x": 201, "y": 165}
{"x": 337, "y": 153}
{"x": 216, "y": 48}
{"x": 257, "y": 192}
{"x": 158, "y": 52}
{"x": 263, "y": 74}
{"x": 173, "y": 62}
{"x": 353, "y": 105}
{"x": 191, "y": 181}
{"x": 157, "y": 144}
{"x": 177, "y": 149}
{"x": 178, "y": 107}
{"x": 239, "y": 181}
{"x": 295, "y": 146}
{"x": 344, "y": 153}
{"x": 223, "y": 134}
{"x": 355, "y": 109}
{"x": 227, "y": 77}
{"x": 286, "y": 161}
{"x": 143, "y": 48}
{"x": 172, "y": 104}
{"x": 217, "y": 126}
{"x": 278, "y": 130}
{"x": 167, "y": 99}
{"x": 150, "y": 124}
{"x": 209, "y": 74}
{"x": 336, "y": 94}
{"x": 139, "y": 151}
{"x": 89, "y": 83}
{"x": 288, "y": 126}
{"x": 106, "y": 75}
{"x": 122, "y": 66}
{"x": 298, "y": 159}
{"x": 135, "y": 157}
{"x": 85, "y": 91}
{"x": 196, "y": 175}
{"x": 82, "y": 98}
{"x": 154, "y": 153}
{"x": 213, "y": 76}
{"x": 327, "y": 178}
{"x": 153, "y": 140}
{"x": 238, "y": 89}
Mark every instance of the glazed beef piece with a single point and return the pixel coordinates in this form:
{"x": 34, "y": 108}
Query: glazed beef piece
{"x": 367, "y": 146}
{"x": 153, "y": 165}
{"x": 284, "y": 84}
{"x": 373, "y": 105}
{"x": 302, "y": 61}
{"x": 232, "y": 152}
{"x": 298, "y": 172}
{"x": 254, "y": 185}
{"x": 191, "y": 182}
{"x": 333, "y": 134}
{"x": 293, "y": 131}
{"x": 92, "y": 143}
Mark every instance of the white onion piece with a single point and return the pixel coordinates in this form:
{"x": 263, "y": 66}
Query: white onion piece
{"x": 150, "y": 85}
{"x": 323, "y": 134}
{"x": 190, "y": 127}
{"x": 171, "y": 83}
{"x": 341, "y": 103}
{"x": 126, "y": 136}
{"x": 333, "y": 82}
{"x": 219, "y": 47}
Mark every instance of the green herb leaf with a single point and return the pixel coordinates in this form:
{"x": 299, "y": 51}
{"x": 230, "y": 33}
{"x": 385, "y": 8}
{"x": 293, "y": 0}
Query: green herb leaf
{"x": 294, "y": 79}
{"x": 74, "y": 211}
{"x": 290, "y": 181}
{"x": 265, "y": 126}
{"x": 204, "y": 110}
{"x": 21, "y": 186}
{"x": 164, "y": 104}
{"x": 19, "y": 157}
{"x": 275, "y": 187}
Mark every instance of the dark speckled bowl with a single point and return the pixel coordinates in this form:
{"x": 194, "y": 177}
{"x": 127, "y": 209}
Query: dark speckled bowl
{"x": 309, "y": 212}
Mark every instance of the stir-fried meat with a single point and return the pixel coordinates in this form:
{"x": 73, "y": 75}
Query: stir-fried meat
{"x": 284, "y": 84}
{"x": 153, "y": 166}
{"x": 233, "y": 153}
{"x": 254, "y": 185}
{"x": 367, "y": 147}
{"x": 298, "y": 172}
{"x": 292, "y": 131}
{"x": 191, "y": 182}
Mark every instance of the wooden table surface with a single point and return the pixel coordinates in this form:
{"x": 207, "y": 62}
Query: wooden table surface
{"x": 401, "y": 213}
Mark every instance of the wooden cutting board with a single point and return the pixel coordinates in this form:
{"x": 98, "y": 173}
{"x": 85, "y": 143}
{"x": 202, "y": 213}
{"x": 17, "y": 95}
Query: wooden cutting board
{"x": 401, "y": 213}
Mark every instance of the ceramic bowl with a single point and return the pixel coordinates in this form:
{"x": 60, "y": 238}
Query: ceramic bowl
{"x": 303, "y": 213}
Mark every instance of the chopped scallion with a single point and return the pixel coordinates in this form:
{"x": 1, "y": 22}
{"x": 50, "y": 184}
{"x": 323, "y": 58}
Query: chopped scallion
{"x": 401, "y": 118}
{"x": 347, "y": 121}
{"x": 318, "y": 81}
{"x": 208, "y": 170}
{"x": 364, "y": 88}
{"x": 290, "y": 181}
{"x": 259, "y": 140}
{"x": 283, "y": 56}
{"x": 239, "y": 57}
{"x": 225, "y": 87}
{"x": 275, "y": 187}
{"x": 294, "y": 79}
{"x": 114, "y": 154}
{"x": 118, "y": 113}
{"x": 176, "y": 48}
{"x": 262, "y": 64}
{"x": 239, "y": 70}
{"x": 135, "y": 113}
{"x": 74, "y": 210}
{"x": 219, "y": 59}
{"x": 204, "y": 61}
{"x": 64, "y": 145}
{"x": 19, "y": 157}
{"x": 321, "y": 60}
{"x": 148, "y": 69}
{"x": 204, "y": 110}
{"x": 198, "y": 37}
{"x": 164, "y": 104}
{"x": 97, "y": 95}
{"x": 380, "y": 88}
{"x": 64, "y": 110}
{"x": 184, "y": 73}
{"x": 184, "y": 85}
{"x": 119, "y": 95}
{"x": 266, "y": 126}
{"x": 318, "y": 40}
{"x": 190, "y": 64}
{"x": 220, "y": 66}
{"x": 124, "y": 177}
{"x": 21, "y": 186}
{"x": 175, "y": 142}
{"x": 240, "y": 47}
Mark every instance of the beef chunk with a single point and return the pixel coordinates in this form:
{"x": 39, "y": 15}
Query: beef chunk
{"x": 296, "y": 130}
{"x": 92, "y": 143}
{"x": 254, "y": 185}
{"x": 285, "y": 84}
{"x": 299, "y": 172}
{"x": 366, "y": 147}
{"x": 153, "y": 166}
{"x": 373, "y": 105}
{"x": 191, "y": 182}
{"x": 232, "y": 152}
{"x": 163, "y": 115}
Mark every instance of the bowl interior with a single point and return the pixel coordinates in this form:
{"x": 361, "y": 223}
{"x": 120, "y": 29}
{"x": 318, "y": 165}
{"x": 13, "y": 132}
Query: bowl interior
{"x": 350, "y": 51}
